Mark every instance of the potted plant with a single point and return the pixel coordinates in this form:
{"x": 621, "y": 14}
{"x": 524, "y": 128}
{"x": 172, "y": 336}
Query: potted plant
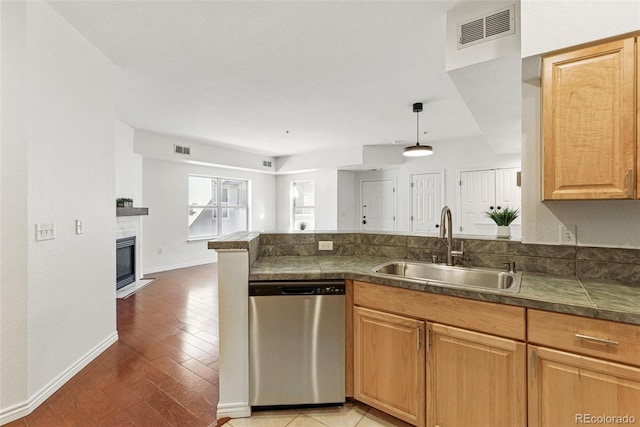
{"x": 503, "y": 219}
{"x": 303, "y": 225}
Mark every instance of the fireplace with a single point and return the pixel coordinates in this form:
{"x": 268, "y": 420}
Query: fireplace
{"x": 125, "y": 261}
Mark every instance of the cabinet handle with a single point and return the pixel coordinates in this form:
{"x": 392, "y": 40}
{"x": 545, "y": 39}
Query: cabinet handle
{"x": 630, "y": 183}
{"x": 598, "y": 340}
{"x": 534, "y": 363}
{"x": 418, "y": 330}
{"x": 426, "y": 338}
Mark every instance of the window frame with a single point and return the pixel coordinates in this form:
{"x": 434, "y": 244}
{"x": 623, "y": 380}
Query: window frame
{"x": 221, "y": 209}
{"x": 293, "y": 206}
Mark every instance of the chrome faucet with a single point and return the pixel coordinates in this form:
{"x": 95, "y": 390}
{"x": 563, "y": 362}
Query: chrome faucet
{"x": 446, "y": 232}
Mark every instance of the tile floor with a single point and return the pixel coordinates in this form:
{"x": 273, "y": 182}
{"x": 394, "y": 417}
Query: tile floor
{"x": 350, "y": 415}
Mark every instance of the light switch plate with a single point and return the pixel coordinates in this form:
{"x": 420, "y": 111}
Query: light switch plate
{"x": 45, "y": 232}
{"x": 79, "y": 226}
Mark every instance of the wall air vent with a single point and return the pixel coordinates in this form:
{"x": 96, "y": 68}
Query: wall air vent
{"x": 179, "y": 149}
{"x": 491, "y": 26}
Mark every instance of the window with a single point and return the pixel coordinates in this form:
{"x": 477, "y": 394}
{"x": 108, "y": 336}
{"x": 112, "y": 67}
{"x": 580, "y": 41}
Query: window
{"x": 303, "y": 209}
{"x": 217, "y": 206}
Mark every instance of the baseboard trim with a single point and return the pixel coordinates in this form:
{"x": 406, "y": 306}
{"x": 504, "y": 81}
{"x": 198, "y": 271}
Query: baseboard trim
{"x": 25, "y": 408}
{"x": 176, "y": 266}
{"x": 233, "y": 410}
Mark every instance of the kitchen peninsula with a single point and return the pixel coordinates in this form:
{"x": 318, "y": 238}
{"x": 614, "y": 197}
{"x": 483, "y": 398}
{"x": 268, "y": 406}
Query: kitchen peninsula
{"x": 558, "y": 284}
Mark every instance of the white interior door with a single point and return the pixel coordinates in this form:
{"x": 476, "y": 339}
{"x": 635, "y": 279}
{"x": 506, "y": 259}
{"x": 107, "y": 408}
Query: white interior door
{"x": 426, "y": 202}
{"x": 378, "y": 205}
{"x": 477, "y": 195}
{"x": 483, "y": 190}
{"x": 508, "y": 194}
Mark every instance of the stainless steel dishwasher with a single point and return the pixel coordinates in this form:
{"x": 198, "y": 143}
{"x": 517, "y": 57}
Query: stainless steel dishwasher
{"x": 296, "y": 342}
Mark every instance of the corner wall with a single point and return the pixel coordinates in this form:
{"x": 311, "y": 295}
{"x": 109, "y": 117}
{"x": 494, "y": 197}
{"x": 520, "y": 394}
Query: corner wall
{"x": 60, "y": 119}
{"x": 70, "y": 128}
{"x": 166, "y": 194}
{"x": 13, "y": 211}
{"x": 326, "y": 203}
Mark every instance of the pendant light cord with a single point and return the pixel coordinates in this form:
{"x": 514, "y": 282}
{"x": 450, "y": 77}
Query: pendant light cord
{"x": 417, "y": 128}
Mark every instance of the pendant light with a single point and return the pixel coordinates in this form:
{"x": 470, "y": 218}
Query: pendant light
{"x": 418, "y": 150}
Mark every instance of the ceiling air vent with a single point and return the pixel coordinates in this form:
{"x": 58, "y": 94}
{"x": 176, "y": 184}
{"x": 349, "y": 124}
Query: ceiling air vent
{"x": 488, "y": 27}
{"x": 179, "y": 149}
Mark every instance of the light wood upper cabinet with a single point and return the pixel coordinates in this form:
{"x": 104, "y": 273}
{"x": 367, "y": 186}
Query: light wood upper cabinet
{"x": 566, "y": 388}
{"x": 589, "y": 115}
{"x": 475, "y": 379}
{"x": 389, "y": 364}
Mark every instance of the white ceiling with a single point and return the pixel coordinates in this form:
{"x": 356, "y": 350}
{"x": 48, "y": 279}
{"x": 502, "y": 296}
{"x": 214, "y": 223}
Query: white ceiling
{"x": 243, "y": 73}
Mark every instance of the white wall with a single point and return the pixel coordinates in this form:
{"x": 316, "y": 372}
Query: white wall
{"x": 347, "y": 201}
{"x": 70, "y": 122}
{"x": 449, "y": 156}
{"x": 64, "y": 170}
{"x": 486, "y": 51}
{"x": 166, "y": 194}
{"x": 551, "y": 24}
{"x": 13, "y": 210}
{"x": 159, "y": 146}
{"x": 128, "y": 165}
{"x": 326, "y": 199}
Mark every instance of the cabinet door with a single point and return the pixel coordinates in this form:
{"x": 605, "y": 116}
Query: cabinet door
{"x": 475, "y": 379}
{"x": 566, "y": 389}
{"x": 389, "y": 364}
{"x": 588, "y": 103}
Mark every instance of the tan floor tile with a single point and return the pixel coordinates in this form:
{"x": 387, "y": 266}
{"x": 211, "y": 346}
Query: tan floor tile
{"x": 305, "y": 421}
{"x": 375, "y": 418}
{"x": 266, "y": 419}
{"x": 338, "y": 416}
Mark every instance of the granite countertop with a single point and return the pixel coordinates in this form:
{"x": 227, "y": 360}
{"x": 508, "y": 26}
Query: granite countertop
{"x": 591, "y": 298}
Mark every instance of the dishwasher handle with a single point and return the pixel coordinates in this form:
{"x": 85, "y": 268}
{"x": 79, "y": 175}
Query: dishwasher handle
{"x": 298, "y": 290}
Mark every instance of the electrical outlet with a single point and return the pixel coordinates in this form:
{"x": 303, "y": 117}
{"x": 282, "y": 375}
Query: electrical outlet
{"x": 568, "y": 234}
{"x": 79, "y": 226}
{"x": 160, "y": 251}
{"x": 326, "y": 245}
{"x": 45, "y": 231}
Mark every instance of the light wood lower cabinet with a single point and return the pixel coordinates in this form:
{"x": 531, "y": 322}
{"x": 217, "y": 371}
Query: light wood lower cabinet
{"x": 389, "y": 364}
{"x": 475, "y": 379}
{"x": 567, "y": 389}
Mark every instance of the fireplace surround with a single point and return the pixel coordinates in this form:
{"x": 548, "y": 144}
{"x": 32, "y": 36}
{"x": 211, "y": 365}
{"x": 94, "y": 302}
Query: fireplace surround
{"x": 125, "y": 261}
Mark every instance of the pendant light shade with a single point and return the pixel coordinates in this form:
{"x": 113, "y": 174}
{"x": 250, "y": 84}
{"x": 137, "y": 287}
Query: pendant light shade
{"x": 418, "y": 150}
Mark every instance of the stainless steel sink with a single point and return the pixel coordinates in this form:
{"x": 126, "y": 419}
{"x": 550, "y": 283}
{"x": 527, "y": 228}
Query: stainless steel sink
{"x": 438, "y": 274}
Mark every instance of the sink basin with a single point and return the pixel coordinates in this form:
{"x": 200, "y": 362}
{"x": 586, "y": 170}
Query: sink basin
{"x": 439, "y": 274}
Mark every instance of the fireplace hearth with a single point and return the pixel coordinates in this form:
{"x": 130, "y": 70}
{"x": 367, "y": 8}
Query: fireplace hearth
{"x": 125, "y": 261}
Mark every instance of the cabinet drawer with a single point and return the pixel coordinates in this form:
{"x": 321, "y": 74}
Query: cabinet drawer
{"x": 492, "y": 318}
{"x": 594, "y": 337}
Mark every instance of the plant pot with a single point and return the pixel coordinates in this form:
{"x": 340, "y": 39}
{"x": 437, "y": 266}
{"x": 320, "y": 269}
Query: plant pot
{"x": 503, "y": 231}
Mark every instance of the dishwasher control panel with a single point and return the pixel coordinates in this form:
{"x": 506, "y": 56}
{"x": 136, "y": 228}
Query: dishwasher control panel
{"x": 330, "y": 290}
{"x": 315, "y": 287}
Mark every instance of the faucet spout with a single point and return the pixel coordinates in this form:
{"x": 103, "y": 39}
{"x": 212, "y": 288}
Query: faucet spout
{"x": 446, "y": 232}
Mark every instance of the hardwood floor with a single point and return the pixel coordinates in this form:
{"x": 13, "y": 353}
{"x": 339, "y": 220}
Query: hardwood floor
{"x": 163, "y": 371}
